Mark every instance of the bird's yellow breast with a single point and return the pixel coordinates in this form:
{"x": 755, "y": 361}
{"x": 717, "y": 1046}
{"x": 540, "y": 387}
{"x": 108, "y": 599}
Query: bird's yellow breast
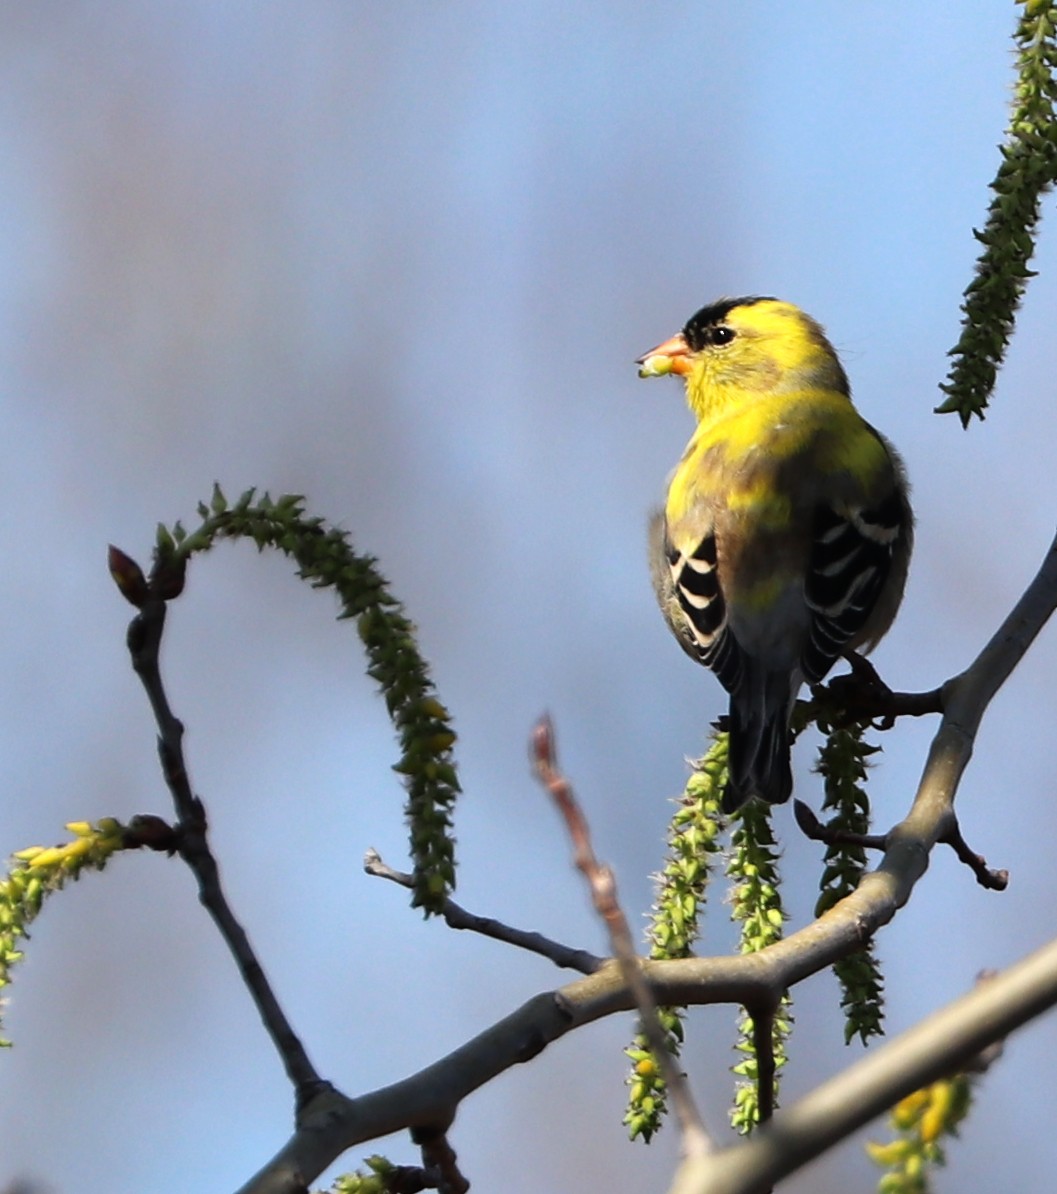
{"x": 754, "y": 456}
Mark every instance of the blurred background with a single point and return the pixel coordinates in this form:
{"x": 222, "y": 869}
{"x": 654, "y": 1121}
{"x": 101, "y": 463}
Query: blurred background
{"x": 400, "y": 258}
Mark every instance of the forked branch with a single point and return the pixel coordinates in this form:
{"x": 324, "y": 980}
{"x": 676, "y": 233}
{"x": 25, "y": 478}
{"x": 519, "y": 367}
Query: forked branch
{"x": 332, "y": 1124}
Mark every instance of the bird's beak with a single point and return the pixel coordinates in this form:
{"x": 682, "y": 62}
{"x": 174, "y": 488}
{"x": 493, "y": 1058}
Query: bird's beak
{"x": 673, "y": 356}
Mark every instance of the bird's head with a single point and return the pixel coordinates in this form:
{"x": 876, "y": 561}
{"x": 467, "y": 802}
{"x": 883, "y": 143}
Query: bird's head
{"x": 735, "y": 349}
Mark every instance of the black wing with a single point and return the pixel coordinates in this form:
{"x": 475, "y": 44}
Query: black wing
{"x": 851, "y": 556}
{"x": 695, "y": 583}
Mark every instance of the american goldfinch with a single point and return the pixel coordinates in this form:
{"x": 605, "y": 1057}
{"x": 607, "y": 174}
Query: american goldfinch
{"x": 786, "y": 534}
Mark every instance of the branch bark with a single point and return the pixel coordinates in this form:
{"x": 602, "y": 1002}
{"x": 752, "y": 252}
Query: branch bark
{"x": 947, "y": 1040}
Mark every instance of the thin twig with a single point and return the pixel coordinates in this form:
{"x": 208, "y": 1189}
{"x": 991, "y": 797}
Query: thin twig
{"x": 813, "y": 828}
{"x": 144, "y": 642}
{"x": 458, "y": 917}
{"x": 986, "y": 876}
{"x": 694, "y": 1136}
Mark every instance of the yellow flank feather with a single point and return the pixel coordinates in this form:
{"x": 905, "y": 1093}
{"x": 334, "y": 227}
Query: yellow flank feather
{"x": 786, "y": 533}
{"x": 759, "y": 499}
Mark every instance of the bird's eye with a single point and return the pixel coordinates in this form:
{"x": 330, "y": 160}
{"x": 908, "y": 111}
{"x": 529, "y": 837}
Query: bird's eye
{"x": 720, "y": 335}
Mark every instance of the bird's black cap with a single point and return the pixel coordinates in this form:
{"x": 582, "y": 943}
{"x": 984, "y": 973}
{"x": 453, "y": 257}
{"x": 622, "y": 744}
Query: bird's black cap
{"x": 697, "y": 326}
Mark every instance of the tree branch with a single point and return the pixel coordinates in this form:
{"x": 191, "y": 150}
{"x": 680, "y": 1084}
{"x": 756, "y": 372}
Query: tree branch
{"x": 457, "y": 917}
{"x": 331, "y": 1123}
{"x": 862, "y": 696}
{"x": 144, "y": 643}
{"x": 949, "y": 1039}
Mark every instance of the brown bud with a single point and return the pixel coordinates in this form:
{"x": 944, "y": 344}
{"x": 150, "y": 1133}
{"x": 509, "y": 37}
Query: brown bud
{"x": 128, "y": 576}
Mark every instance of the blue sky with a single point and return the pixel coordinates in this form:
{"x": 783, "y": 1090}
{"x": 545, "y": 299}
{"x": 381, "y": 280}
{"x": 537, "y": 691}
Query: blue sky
{"x": 401, "y": 258}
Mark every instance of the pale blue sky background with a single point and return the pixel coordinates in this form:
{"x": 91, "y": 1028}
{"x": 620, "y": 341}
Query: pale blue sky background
{"x": 400, "y": 258}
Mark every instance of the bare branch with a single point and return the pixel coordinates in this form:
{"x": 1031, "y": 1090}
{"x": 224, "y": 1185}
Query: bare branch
{"x": 694, "y": 1136}
{"x": 949, "y": 1039}
{"x": 332, "y": 1123}
{"x": 457, "y": 917}
{"x": 812, "y": 827}
{"x": 144, "y": 642}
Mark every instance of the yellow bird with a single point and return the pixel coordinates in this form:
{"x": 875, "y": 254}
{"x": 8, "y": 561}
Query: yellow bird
{"x": 785, "y": 538}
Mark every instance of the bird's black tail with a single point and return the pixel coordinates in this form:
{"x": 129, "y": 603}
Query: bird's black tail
{"x": 758, "y": 760}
